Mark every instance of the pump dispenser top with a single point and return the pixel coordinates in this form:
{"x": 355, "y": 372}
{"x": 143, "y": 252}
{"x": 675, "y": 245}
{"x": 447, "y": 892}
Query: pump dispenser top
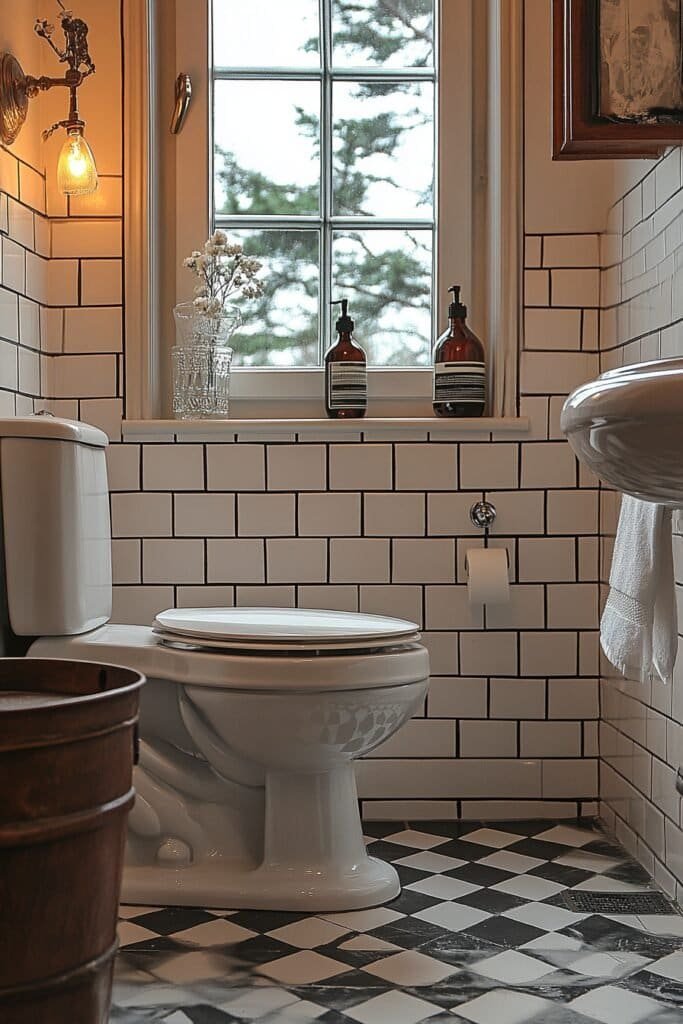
{"x": 345, "y": 324}
{"x": 456, "y": 308}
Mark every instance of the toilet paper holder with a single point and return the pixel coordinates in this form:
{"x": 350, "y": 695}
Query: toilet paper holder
{"x": 483, "y": 515}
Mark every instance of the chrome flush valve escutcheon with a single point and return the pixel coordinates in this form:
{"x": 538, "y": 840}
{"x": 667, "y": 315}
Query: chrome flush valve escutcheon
{"x": 483, "y": 514}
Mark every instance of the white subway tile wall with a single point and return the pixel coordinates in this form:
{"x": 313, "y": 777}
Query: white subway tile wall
{"x": 369, "y": 522}
{"x": 23, "y": 287}
{"x": 382, "y": 525}
{"x": 642, "y": 725}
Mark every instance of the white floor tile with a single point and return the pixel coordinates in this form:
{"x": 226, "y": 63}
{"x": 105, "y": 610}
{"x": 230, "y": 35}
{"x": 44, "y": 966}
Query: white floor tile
{"x": 434, "y": 862}
{"x": 553, "y": 942}
{"x": 669, "y": 967}
{"x": 514, "y": 862}
{"x": 443, "y": 888}
{"x": 129, "y": 932}
{"x": 501, "y": 1007}
{"x": 369, "y": 944}
{"x": 492, "y": 837}
{"x": 612, "y": 1005}
{"x": 304, "y": 968}
{"x": 662, "y": 924}
{"x": 188, "y": 968}
{"x": 454, "y": 916}
{"x": 129, "y": 910}
{"x": 396, "y": 1007}
{"x": 544, "y": 915}
{"x": 529, "y": 887}
{"x": 418, "y": 840}
{"x": 411, "y": 968}
{"x": 568, "y": 836}
{"x": 309, "y": 933}
{"x": 218, "y": 932}
{"x": 588, "y": 861}
{"x": 512, "y": 968}
{"x": 608, "y": 965}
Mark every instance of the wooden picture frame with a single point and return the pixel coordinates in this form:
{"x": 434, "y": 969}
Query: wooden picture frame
{"x": 579, "y": 132}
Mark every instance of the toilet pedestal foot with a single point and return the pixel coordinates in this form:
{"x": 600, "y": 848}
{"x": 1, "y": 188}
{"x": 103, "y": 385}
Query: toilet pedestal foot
{"x": 314, "y": 852}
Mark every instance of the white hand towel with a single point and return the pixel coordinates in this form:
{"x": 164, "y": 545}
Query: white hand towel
{"x": 638, "y": 631}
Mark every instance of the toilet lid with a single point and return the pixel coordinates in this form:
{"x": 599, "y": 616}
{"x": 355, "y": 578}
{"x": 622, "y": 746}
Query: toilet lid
{"x": 283, "y": 628}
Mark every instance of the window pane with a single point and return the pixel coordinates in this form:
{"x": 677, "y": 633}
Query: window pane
{"x": 390, "y": 33}
{"x": 383, "y": 149}
{"x": 280, "y": 329}
{"x": 387, "y": 277}
{"x": 266, "y": 33}
{"x": 267, "y": 146}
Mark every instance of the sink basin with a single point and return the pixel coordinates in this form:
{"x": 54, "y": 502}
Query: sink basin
{"x": 627, "y": 426}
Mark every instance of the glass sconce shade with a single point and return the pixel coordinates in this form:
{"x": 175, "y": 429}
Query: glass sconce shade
{"x": 76, "y": 169}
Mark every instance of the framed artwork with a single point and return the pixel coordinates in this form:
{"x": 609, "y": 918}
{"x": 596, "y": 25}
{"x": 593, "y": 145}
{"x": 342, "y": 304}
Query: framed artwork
{"x": 617, "y": 78}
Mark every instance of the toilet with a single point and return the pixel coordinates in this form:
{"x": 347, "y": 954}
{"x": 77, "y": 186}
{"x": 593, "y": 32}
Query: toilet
{"x": 251, "y": 718}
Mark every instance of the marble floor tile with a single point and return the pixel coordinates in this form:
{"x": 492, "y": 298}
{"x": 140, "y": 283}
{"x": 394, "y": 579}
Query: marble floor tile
{"x": 479, "y": 935}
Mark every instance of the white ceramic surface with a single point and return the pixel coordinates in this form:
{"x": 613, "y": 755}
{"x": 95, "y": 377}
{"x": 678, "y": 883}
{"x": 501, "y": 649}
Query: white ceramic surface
{"x": 246, "y": 788}
{"x": 184, "y": 641}
{"x": 283, "y": 625}
{"x": 246, "y": 792}
{"x": 627, "y": 426}
{"x": 55, "y": 507}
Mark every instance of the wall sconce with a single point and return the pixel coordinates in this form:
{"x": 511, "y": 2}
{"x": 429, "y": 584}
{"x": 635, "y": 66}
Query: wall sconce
{"x": 76, "y": 170}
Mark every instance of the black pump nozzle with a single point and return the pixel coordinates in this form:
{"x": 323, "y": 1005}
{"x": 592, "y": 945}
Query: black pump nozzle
{"x": 344, "y": 324}
{"x": 456, "y": 308}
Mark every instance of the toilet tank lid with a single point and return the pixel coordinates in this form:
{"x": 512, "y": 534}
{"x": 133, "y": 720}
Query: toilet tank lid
{"x": 53, "y": 428}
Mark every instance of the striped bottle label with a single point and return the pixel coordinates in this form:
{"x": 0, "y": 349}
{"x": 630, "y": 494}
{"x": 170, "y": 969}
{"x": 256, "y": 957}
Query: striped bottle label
{"x": 347, "y": 385}
{"x": 460, "y": 382}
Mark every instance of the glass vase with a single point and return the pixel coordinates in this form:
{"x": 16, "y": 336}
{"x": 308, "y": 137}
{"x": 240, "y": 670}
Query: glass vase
{"x": 194, "y": 327}
{"x": 201, "y": 382}
{"x": 201, "y": 362}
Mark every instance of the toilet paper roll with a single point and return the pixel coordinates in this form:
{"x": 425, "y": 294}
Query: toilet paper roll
{"x": 487, "y": 575}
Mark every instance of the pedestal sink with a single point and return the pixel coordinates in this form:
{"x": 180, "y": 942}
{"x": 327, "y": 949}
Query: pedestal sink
{"x": 627, "y": 426}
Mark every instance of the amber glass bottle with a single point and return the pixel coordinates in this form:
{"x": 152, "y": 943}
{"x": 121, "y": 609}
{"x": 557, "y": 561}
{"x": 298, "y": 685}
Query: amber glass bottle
{"x": 346, "y": 375}
{"x": 459, "y": 366}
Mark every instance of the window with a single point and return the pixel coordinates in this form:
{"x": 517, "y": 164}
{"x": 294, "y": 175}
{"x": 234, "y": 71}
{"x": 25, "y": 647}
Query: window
{"x": 362, "y": 215}
{"x": 324, "y": 168}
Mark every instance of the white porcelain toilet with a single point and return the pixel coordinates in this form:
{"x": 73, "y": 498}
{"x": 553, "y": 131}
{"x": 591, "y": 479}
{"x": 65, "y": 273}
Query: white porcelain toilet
{"x": 251, "y": 718}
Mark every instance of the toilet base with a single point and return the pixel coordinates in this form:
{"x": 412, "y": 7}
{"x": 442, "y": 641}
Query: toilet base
{"x": 234, "y": 885}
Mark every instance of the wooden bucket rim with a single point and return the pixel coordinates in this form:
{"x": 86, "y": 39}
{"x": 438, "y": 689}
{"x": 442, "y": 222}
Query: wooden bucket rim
{"x": 69, "y": 700}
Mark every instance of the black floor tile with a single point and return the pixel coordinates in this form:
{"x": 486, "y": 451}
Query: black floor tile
{"x": 479, "y": 874}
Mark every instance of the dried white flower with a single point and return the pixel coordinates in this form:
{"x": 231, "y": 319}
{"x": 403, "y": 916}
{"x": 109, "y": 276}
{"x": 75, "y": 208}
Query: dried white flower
{"x": 222, "y": 270}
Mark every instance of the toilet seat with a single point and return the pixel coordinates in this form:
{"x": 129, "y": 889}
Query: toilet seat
{"x": 281, "y": 630}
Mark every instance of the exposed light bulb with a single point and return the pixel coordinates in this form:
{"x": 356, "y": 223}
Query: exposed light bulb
{"x": 76, "y": 169}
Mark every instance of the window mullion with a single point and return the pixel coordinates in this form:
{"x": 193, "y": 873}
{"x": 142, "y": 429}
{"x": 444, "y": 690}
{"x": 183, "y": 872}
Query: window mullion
{"x": 325, "y": 319}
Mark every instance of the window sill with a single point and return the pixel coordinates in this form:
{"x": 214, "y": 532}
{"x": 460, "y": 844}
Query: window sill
{"x": 370, "y": 428}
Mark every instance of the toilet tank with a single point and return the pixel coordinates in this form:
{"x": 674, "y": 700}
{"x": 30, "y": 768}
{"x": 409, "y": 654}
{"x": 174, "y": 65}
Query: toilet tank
{"x": 55, "y": 525}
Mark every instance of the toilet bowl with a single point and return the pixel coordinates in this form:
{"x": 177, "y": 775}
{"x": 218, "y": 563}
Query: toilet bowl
{"x": 246, "y": 786}
{"x": 251, "y": 719}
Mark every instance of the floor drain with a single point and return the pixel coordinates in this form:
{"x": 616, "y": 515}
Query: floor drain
{"x": 618, "y": 902}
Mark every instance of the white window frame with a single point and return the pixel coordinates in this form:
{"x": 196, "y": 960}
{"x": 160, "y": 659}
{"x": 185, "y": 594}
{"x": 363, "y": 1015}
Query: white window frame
{"x": 479, "y": 233}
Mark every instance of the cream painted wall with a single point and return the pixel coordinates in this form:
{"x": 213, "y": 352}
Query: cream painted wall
{"x": 561, "y": 196}
{"x": 17, "y": 35}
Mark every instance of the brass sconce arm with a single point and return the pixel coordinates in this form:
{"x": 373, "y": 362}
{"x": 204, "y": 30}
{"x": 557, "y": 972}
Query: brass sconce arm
{"x": 17, "y": 88}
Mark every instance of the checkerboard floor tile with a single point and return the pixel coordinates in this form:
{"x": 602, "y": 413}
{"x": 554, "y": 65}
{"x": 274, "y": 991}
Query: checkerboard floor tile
{"x": 479, "y": 935}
